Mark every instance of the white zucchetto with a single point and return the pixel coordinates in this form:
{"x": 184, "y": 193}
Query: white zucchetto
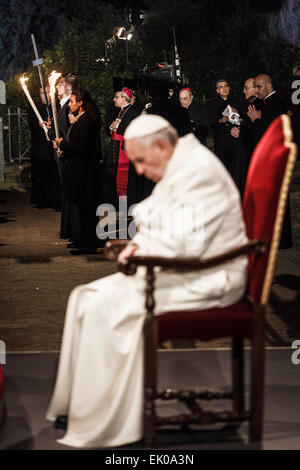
{"x": 145, "y": 124}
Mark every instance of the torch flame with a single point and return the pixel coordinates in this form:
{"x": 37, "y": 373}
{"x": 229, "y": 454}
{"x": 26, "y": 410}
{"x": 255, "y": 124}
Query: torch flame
{"x": 52, "y": 80}
{"x": 23, "y": 80}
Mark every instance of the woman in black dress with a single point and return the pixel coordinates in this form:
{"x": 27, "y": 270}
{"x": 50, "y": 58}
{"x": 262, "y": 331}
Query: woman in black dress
{"x": 80, "y": 148}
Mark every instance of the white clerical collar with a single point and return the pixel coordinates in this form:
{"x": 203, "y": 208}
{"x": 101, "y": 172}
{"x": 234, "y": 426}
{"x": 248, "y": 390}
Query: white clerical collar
{"x": 64, "y": 100}
{"x": 270, "y": 94}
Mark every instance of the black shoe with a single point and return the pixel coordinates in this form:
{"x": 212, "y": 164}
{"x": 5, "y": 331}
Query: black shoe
{"x": 83, "y": 251}
{"x": 61, "y": 422}
{"x": 73, "y": 245}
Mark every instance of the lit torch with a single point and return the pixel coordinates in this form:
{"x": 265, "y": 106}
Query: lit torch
{"x": 52, "y": 80}
{"x": 23, "y": 81}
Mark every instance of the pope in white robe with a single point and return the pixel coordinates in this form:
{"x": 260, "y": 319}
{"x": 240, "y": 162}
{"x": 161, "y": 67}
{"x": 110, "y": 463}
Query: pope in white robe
{"x": 194, "y": 210}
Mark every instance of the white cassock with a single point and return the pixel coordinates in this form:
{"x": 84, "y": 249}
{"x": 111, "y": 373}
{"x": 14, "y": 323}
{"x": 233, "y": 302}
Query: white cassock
{"x": 194, "y": 210}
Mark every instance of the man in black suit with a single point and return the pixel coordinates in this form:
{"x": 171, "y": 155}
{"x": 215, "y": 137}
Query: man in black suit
{"x": 161, "y": 104}
{"x": 64, "y": 87}
{"x": 197, "y": 114}
{"x": 69, "y": 227}
{"x": 158, "y": 93}
{"x": 225, "y": 145}
{"x": 245, "y": 134}
{"x": 64, "y": 90}
{"x": 271, "y": 107}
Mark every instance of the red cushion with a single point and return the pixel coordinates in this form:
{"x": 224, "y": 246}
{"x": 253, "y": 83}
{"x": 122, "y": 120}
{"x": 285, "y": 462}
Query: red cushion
{"x": 234, "y": 321}
{"x": 264, "y": 179}
{"x": 1, "y": 393}
{"x": 1, "y": 381}
{"x": 262, "y": 192}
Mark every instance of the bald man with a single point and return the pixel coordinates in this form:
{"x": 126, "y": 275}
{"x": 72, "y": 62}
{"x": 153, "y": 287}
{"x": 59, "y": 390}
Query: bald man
{"x": 271, "y": 105}
{"x": 197, "y": 114}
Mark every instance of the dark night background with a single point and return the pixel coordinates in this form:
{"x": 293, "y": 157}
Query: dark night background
{"x": 233, "y": 39}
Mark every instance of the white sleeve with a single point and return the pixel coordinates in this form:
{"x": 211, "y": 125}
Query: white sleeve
{"x": 183, "y": 226}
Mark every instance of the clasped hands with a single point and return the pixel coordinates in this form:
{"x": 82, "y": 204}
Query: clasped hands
{"x": 114, "y": 125}
{"x": 253, "y": 113}
{"x": 235, "y": 132}
{"x": 56, "y": 143}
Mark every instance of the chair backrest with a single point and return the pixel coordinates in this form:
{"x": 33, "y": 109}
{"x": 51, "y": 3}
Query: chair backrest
{"x": 264, "y": 202}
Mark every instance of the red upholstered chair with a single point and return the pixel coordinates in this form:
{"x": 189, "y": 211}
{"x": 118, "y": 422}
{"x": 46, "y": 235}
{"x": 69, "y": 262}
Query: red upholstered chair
{"x": 1, "y": 393}
{"x": 264, "y": 203}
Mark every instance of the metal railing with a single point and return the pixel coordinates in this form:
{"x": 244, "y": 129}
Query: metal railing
{"x": 17, "y": 139}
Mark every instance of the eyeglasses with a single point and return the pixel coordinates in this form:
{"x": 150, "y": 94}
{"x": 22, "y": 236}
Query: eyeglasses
{"x": 222, "y": 86}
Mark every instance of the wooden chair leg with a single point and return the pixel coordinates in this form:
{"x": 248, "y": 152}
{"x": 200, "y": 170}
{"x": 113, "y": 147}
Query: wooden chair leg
{"x": 238, "y": 374}
{"x": 257, "y": 377}
{"x": 150, "y": 361}
{"x": 149, "y": 434}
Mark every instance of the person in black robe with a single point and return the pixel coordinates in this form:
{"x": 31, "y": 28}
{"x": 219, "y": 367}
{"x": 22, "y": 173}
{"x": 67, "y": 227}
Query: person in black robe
{"x": 45, "y": 188}
{"x": 112, "y": 111}
{"x": 160, "y": 104}
{"x": 120, "y": 177}
{"x": 197, "y": 114}
{"x": 64, "y": 90}
{"x": 247, "y": 131}
{"x": 271, "y": 106}
{"x": 245, "y": 135}
{"x": 225, "y": 145}
{"x": 69, "y": 224}
{"x": 81, "y": 168}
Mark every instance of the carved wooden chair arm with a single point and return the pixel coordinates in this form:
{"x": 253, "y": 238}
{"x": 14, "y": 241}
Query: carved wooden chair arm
{"x": 188, "y": 264}
{"x": 113, "y": 247}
